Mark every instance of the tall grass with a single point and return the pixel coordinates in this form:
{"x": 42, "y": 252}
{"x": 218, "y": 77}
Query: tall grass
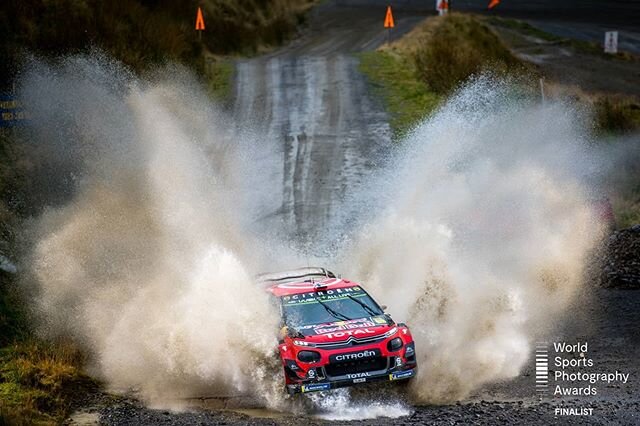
{"x": 38, "y": 380}
{"x": 458, "y": 47}
{"x": 616, "y": 115}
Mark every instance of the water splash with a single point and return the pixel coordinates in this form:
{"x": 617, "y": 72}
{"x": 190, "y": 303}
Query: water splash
{"x": 149, "y": 264}
{"x": 485, "y": 233}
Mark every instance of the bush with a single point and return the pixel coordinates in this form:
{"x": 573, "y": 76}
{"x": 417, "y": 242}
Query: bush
{"x": 458, "y": 47}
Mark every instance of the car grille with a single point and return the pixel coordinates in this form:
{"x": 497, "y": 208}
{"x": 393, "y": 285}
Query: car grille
{"x": 356, "y": 366}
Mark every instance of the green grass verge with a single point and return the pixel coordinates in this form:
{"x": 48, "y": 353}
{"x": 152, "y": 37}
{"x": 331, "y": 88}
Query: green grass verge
{"x": 407, "y": 98}
{"x": 459, "y": 46}
{"x": 38, "y": 381}
{"x": 219, "y": 74}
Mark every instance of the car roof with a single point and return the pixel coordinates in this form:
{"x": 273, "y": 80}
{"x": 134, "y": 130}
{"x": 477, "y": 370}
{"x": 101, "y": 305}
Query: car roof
{"x": 289, "y": 288}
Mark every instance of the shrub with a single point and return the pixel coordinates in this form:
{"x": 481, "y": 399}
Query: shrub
{"x": 616, "y": 116}
{"x": 458, "y": 47}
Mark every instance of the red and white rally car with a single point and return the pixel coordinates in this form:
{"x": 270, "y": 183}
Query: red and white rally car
{"x": 334, "y": 334}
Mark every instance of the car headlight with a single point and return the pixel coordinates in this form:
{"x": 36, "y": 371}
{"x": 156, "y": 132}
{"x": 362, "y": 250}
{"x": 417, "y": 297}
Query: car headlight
{"x": 309, "y": 356}
{"x": 394, "y": 344}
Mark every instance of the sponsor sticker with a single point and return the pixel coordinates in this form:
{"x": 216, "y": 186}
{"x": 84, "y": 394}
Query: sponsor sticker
{"x": 354, "y": 356}
{"x": 397, "y": 375}
{"x": 314, "y": 387}
{"x": 379, "y": 320}
{"x": 360, "y": 380}
{"x": 344, "y": 325}
{"x": 325, "y": 295}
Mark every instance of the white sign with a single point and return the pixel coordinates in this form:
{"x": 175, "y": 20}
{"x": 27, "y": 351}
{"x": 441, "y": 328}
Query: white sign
{"x": 611, "y": 42}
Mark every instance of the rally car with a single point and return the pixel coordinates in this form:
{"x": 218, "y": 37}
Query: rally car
{"x": 334, "y": 334}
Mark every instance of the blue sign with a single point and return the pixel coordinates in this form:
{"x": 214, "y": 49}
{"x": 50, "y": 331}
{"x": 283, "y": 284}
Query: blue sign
{"x": 12, "y": 112}
{"x": 400, "y": 375}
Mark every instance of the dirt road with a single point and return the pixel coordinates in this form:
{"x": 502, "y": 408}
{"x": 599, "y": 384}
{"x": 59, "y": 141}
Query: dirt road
{"x": 309, "y": 104}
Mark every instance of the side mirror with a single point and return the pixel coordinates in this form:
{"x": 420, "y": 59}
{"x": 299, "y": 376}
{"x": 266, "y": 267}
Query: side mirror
{"x": 383, "y": 307}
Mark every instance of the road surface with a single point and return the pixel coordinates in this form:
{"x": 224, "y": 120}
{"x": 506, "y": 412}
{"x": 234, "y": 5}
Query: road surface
{"x": 310, "y": 106}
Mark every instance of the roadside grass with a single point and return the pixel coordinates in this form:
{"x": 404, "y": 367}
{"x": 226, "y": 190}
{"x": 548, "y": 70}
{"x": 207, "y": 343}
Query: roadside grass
{"x": 38, "y": 380}
{"x": 616, "y": 116}
{"x": 407, "y": 98}
{"x": 416, "y": 72}
{"x": 219, "y": 75}
{"x": 460, "y": 46}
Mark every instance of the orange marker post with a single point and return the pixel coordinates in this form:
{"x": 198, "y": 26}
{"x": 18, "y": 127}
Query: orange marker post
{"x": 493, "y": 3}
{"x": 199, "y": 23}
{"x": 388, "y": 23}
{"x": 388, "y": 20}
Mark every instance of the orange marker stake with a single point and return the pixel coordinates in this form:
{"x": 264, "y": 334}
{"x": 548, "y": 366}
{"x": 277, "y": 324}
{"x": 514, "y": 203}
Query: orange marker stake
{"x": 388, "y": 20}
{"x": 388, "y": 23}
{"x": 493, "y": 3}
{"x": 199, "y": 23}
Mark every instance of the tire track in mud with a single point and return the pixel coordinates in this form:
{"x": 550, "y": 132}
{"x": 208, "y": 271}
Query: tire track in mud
{"x": 324, "y": 130}
{"x": 311, "y": 110}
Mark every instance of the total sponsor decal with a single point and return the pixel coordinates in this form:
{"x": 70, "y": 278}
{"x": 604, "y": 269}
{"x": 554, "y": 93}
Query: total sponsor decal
{"x": 313, "y": 387}
{"x": 397, "y": 375}
{"x": 357, "y": 376}
{"x": 356, "y": 332}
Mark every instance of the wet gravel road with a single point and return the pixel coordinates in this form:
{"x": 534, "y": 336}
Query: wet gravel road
{"x": 606, "y": 319}
{"x": 310, "y": 107}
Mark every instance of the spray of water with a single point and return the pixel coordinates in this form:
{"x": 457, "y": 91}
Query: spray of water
{"x": 487, "y": 227}
{"x": 149, "y": 264}
{"x": 482, "y": 236}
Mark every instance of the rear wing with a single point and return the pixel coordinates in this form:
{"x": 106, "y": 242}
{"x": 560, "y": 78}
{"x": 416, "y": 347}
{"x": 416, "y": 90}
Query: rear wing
{"x": 295, "y": 275}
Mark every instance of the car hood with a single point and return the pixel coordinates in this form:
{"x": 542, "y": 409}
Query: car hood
{"x": 342, "y": 330}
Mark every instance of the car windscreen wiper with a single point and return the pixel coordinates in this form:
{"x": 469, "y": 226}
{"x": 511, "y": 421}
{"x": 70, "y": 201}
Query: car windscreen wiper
{"x": 364, "y": 305}
{"x": 333, "y": 313}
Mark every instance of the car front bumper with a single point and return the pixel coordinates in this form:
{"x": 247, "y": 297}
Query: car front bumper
{"x": 334, "y": 383}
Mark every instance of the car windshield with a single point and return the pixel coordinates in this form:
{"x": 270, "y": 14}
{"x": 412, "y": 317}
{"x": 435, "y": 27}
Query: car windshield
{"x": 321, "y": 307}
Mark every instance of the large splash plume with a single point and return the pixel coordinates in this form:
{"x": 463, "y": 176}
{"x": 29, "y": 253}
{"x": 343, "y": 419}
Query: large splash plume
{"x": 482, "y": 233}
{"x": 149, "y": 264}
{"x": 488, "y": 220}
